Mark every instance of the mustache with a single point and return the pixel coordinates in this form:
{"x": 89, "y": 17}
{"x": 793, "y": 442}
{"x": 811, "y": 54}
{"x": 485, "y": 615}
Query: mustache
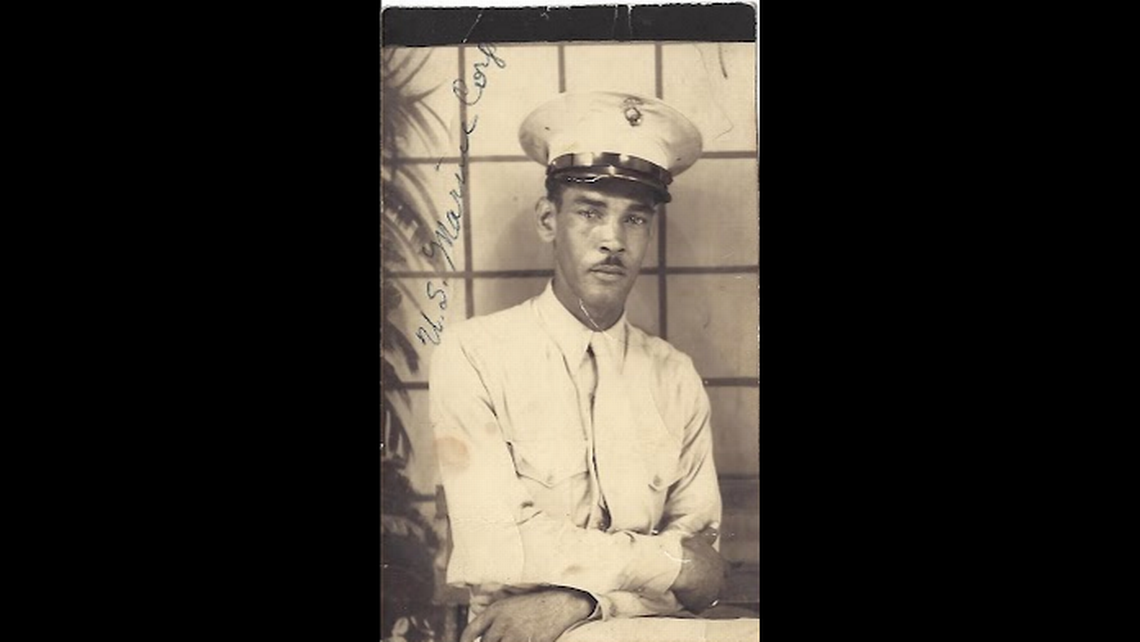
{"x": 611, "y": 261}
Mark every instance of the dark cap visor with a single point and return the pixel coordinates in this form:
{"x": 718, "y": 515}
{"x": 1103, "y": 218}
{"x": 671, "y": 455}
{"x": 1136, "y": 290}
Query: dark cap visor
{"x": 590, "y": 168}
{"x": 588, "y": 177}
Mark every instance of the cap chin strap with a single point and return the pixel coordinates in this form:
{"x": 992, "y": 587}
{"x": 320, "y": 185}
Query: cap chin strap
{"x": 609, "y": 159}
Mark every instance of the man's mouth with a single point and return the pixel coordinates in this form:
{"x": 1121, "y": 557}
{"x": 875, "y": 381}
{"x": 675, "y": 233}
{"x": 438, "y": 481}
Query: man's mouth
{"x": 609, "y": 269}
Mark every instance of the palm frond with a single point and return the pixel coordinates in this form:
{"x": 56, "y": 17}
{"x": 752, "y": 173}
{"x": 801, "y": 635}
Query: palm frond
{"x": 395, "y": 435}
{"x": 397, "y": 341}
{"x": 408, "y": 122}
{"x": 419, "y": 188}
{"x": 390, "y": 294}
{"x": 405, "y": 347}
{"x": 422, "y": 128}
{"x": 421, "y": 192}
{"x": 437, "y": 117}
{"x": 410, "y": 217}
{"x": 388, "y": 250}
{"x": 394, "y": 340}
{"x": 400, "y": 84}
{"x": 406, "y": 213}
{"x": 404, "y": 244}
{"x": 424, "y": 94}
{"x": 408, "y": 295}
{"x": 393, "y": 383}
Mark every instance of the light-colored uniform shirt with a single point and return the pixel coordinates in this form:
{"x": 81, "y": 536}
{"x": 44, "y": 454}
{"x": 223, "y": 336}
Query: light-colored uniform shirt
{"x": 519, "y": 452}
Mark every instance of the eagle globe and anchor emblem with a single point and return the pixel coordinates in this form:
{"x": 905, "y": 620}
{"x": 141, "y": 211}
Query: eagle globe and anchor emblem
{"x": 632, "y": 113}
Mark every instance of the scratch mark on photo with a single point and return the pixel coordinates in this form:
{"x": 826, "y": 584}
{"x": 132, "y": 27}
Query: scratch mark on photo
{"x": 477, "y": 19}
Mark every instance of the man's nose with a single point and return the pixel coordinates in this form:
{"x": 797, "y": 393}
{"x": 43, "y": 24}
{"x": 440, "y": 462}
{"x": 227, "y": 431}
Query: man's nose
{"x": 613, "y": 238}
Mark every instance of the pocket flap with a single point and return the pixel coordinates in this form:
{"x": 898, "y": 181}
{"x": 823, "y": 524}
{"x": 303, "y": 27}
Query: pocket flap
{"x": 546, "y": 464}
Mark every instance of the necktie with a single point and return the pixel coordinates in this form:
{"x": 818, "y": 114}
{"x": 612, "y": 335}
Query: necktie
{"x": 611, "y": 409}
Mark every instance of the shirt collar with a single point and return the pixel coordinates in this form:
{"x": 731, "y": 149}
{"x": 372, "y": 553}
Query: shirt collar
{"x": 570, "y": 335}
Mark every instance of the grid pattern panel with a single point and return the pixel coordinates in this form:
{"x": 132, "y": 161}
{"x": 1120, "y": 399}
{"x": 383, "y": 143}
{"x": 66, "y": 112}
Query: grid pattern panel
{"x": 735, "y": 442}
{"x": 428, "y": 71}
{"x": 713, "y": 320}
{"x": 713, "y": 221}
{"x": 529, "y": 79}
{"x": 698, "y": 285}
{"x": 714, "y": 84}
{"x": 611, "y": 68}
{"x": 426, "y": 296}
{"x": 503, "y": 235}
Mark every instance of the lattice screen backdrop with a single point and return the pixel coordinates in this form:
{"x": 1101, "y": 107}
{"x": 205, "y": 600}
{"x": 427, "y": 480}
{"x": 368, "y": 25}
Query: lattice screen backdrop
{"x": 698, "y": 286}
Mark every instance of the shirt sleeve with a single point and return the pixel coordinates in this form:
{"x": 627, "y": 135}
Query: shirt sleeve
{"x": 693, "y": 504}
{"x": 499, "y": 536}
{"x": 623, "y": 604}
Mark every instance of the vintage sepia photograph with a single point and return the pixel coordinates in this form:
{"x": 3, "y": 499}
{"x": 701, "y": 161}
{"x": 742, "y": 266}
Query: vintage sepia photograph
{"x": 569, "y": 333}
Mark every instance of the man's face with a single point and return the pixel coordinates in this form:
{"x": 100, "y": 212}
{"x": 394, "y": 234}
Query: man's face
{"x": 600, "y": 233}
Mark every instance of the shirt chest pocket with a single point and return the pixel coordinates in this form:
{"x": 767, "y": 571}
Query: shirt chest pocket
{"x": 555, "y": 475}
{"x": 660, "y": 450}
{"x": 549, "y": 463}
{"x": 662, "y": 464}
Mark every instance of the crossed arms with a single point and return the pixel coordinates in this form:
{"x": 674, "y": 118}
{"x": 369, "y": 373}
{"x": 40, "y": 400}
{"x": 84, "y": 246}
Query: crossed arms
{"x": 502, "y": 538}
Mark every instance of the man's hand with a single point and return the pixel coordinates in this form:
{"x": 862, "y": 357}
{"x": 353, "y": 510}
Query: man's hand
{"x": 541, "y": 616}
{"x": 702, "y": 572}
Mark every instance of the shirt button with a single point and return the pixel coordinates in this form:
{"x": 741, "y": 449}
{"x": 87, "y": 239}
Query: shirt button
{"x": 550, "y": 479}
{"x": 656, "y": 480}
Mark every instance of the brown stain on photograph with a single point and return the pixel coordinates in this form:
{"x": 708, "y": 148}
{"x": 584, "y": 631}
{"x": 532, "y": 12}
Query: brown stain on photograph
{"x": 452, "y": 453}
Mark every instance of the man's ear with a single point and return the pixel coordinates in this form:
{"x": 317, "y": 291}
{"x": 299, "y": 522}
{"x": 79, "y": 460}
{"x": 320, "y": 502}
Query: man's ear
{"x": 545, "y": 219}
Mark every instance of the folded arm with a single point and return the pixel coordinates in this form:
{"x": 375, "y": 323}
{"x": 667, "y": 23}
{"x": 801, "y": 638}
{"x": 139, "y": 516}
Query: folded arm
{"x": 693, "y": 507}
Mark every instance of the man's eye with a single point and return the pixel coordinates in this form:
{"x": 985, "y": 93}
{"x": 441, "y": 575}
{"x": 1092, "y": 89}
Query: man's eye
{"x": 589, "y": 213}
{"x": 637, "y": 220}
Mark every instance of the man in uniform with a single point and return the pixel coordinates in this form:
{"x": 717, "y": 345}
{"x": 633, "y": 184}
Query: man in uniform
{"x": 574, "y": 448}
